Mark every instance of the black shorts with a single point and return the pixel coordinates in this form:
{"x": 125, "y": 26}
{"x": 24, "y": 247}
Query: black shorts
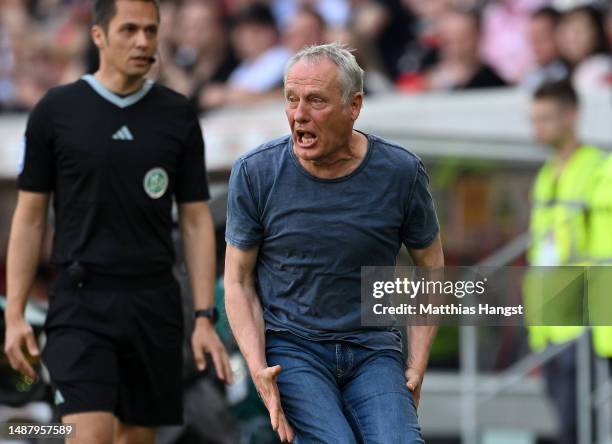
{"x": 115, "y": 345}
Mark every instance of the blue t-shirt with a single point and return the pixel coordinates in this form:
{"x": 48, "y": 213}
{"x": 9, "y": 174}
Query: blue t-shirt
{"x": 314, "y": 234}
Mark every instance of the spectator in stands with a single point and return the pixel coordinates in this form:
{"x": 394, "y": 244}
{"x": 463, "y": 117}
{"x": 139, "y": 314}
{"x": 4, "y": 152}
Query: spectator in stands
{"x": 13, "y": 22}
{"x": 422, "y": 52}
{"x": 505, "y": 43}
{"x": 460, "y": 65}
{"x": 334, "y": 12}
{"x": 306, "y": 27}
{"x": 541, "y": 33}
{"x": 376, "y": 80}
{"x": 48, "y": 43}
{"x": 584, "y": 46}
{"x": 200, "y": 53}
{"x": 255, "y": 39}
{"x": 388, "y": 26}
{"x": 7, "y": 63}
{"x": 428, "y": 12}
{"x": 609, "y": 26}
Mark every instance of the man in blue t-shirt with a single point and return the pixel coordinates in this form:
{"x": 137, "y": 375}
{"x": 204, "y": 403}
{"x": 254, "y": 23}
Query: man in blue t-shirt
{"x": 305, "y": 213}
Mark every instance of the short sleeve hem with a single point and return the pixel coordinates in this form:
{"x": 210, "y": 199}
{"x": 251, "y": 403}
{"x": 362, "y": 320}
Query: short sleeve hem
{"x": 424, "y": 244}
{"x": 241, "y": 245}
{"x": 33, "y": 188}
{"x": 203, "y": 197}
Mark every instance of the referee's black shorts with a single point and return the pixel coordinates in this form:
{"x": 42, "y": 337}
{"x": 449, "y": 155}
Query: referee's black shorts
{"x": 115, "y": 345}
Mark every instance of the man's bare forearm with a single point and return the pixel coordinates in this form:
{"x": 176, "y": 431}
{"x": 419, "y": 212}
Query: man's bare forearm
{"x": 243, "y": 306}
{"x": 245, "y": 316}
{"x": 420, "y": 339}
{"x": 198, "y": 237}
{"x": 25, "y": 242}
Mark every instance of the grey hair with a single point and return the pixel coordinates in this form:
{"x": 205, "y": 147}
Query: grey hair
{"x": 349, "y": 71}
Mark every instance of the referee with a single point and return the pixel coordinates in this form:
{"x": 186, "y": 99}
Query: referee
{"x": 113, "y": 150}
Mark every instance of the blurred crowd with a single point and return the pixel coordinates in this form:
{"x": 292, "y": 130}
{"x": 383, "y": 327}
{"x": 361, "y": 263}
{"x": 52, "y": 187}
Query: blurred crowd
{"x": 232, "y": 52}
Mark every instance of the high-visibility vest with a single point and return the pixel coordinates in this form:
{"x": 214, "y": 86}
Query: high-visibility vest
{"x": 558, "y": 229}
{"x": 600, "y": 253}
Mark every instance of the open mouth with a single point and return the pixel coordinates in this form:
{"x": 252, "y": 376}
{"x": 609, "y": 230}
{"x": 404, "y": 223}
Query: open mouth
{"x": 305, "y": 139}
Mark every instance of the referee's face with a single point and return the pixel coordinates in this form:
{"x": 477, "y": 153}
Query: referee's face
{"x": 131, "y": 39}
{"x": 321, "y": 123}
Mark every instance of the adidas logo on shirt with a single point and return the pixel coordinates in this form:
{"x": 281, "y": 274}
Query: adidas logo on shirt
{"x": 59, "y": 399}
{"x": 123, "y": 134}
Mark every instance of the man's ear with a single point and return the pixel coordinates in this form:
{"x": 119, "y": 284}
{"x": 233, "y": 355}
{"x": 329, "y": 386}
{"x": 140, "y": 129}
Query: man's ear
{"x": 98, "y": 36}
{"x": 356, "y": 105}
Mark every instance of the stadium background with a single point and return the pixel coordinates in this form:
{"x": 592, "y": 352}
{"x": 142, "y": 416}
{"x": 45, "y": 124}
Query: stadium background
{"x": 475, "y": 141}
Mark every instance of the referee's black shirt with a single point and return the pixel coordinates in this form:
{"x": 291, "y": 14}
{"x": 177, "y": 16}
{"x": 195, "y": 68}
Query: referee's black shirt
{"x": 114, "y": 165}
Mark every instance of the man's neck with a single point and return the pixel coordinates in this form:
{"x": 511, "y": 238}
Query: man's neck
{"x": 564, "y": 151}
{"x": 119, "y": 83}
{"x": 342, "y": 163}
{"x": 468, "y": 62}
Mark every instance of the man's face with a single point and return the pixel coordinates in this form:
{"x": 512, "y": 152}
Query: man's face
{"x": 542, "y": 38}
{"x": 459, "y": 37}
{"x": 131, "y": 39}
{"x": 321, "y": 124}
{"x": 198, "y": 26}
{"x": 251, "y": 40}
{"x": 552, "y": 121}
{"x": 576, "y": 37}
{"x": 303, "y": 29}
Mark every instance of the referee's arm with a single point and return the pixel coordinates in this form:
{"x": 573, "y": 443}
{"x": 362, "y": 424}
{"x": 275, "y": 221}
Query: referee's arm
{"x": 198, "y": 236}
{"x": 25, "y": 242}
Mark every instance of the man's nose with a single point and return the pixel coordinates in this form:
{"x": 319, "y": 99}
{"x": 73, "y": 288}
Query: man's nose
{"x": 301, "y": 112}
{"x": 142, "y": 40}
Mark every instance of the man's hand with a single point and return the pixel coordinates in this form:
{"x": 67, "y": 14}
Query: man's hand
{"x": 265, "y": 382}
{"x": 205, "y": 340}
{"x": 414, "y": 379}
{"x": 18, "y": 333}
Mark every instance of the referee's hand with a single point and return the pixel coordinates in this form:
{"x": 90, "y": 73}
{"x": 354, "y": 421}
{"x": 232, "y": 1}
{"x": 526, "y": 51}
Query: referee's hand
{"x": 205, "y": 340}
{"x": 18, "y": 334}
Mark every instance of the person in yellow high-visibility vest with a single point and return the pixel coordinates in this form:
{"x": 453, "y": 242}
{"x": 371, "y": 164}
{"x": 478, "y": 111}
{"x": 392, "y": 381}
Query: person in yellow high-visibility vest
{"x": 599, "y": 274}
{"x": 599, "y": 248}
{"x": 558, "y": 237}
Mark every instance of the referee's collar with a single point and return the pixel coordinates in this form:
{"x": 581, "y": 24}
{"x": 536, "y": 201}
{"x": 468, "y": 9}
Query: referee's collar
{"x": 121, "y": 102}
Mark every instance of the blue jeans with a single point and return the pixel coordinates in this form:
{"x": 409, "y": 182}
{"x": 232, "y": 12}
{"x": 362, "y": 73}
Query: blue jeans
{"x": 338, "y": 392}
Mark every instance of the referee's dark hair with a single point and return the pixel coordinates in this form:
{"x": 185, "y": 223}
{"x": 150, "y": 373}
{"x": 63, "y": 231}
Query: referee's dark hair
{"x": 105, "y": 10}
{"x": 562, "y": 92}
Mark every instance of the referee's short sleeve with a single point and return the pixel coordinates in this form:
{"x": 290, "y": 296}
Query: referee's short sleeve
{"x": 244, "y": 229}
{"x": 37, "y": 167}
{"x": 191, "y": 180}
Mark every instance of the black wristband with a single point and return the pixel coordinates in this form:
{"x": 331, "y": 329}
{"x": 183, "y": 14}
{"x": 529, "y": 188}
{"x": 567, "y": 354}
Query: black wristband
{"x": 210, "y": 313}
